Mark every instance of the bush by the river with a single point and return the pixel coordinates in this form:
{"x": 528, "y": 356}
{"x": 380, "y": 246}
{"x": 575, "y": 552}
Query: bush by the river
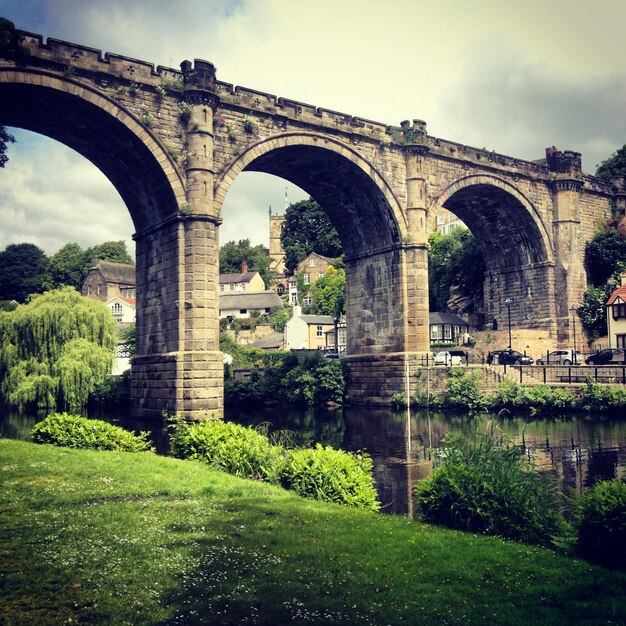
{"x": 463, "y": 392}
{"x": 485, "y": 487}
{"x": 296, "y": 380}
{"x": 73, "y": 431}
{"x": 227, "y": 446}
{"x": 601, "y": 523}
{"x": 321, "y": 473}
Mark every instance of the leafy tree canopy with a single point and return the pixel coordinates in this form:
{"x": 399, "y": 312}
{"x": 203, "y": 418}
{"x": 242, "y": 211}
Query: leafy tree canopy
{"x": 615, "y": 165}
{"x": 233, "y": 254}
{"x": 328, "y": 293}
{"x": 453, "y": 259}
{"x": 114, "y": 251}
{"x": 604, "y": 255}
{"x": 5, "y": 138}
{"x": 70, "y": 264}
{"x": 22, "y": 271}
{"x": 307, "y": 229}
{"x": 55, "y": 350}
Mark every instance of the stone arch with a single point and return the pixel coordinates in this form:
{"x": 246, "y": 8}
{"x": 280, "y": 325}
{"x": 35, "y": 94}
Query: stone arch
{"x": 360, "y": 202}
{"x": 515, "y": 243}
{"x": 99, "y": 129}
{"x": 369, "y": 219}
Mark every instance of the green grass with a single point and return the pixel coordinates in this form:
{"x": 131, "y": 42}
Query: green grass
{"x": 120, "y": 538}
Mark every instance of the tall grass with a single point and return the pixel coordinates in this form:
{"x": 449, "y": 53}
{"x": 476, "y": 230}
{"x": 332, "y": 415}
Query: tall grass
{"x": 486, "y": 485}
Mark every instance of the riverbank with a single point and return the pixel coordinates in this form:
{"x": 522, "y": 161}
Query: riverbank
{"x": 117, "y": 538}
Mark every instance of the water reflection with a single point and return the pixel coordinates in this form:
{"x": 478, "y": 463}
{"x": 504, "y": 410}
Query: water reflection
{"x": 576, "y": 450}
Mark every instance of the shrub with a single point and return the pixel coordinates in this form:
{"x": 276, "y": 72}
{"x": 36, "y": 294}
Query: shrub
{"x": 230, "y": 447}
{"x": 512, "y": 395}
{"x": 73, "y": 431}
{"x": 398, "y": 401}
{"x": 463, "y": 392}
{"x": 486, "y": 487}
{"x": 595, "y": 397}
{"x": 323, "y": 473}
{"x": 601, "y": 523}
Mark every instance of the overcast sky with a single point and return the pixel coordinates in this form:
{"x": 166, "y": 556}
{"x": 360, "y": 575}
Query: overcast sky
{"x": 514, "y": 77}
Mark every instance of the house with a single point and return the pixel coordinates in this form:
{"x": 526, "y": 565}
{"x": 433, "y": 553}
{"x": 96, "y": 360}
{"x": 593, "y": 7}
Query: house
{"x": 106, "y": 280}
{"x": 447, "y": 327}
{"x": 242, "y": 304}
{"x": 616, "y": 315}
{"x": 244, "y": 281}
{"x": 340, "y": 334}
{"x": 123, "y": 310}
{"x": 314, "y": 266}
{"x": 307, "y": 332}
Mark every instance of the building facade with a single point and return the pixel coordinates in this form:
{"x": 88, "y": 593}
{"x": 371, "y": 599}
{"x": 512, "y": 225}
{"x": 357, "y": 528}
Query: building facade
{"x": 616, "y": 315}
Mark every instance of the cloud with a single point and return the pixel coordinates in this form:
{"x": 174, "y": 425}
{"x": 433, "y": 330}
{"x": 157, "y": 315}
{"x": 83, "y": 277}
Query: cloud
{"x": 533, "y": 107}
{"x": 52, "y": 196}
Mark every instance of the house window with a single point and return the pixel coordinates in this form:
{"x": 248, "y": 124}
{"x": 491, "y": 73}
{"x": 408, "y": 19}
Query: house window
{"x": 621, "y": 341}
{"x": 129, "y": 292}
{"x": 99, "y": 289}
{"x": 307, "y": 279}
{"x": 243, "y": 311}
{"x": 221, "y": 287}
{"x": 447, "y": 332}
{"x": 319, "y": 331}
{"x": 117, "y": 309}
{"x": 619, "y": 311}
{"x": 435, "y": 332}
{"x": 306, "y": 300}
{"x": 280, "y": 290}
{"x": 312, "y": 262}
{"x": 88, "y": 291}
{"x": 232, "y": 286}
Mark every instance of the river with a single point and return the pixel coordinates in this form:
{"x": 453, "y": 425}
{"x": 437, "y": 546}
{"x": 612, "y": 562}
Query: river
{"x": 576, "y": 450}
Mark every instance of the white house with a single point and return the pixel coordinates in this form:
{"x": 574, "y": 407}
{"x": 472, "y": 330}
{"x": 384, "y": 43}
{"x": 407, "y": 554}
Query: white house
{"x": 307, "y": 331}
{"x": 122, "y": 309}
{"x": 616, "y": 315}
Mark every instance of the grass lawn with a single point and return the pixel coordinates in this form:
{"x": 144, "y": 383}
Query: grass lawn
{"x": 119, "y": 538}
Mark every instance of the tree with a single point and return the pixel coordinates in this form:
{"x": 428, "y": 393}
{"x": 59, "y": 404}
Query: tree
{"x": 22, "y": 271}
{"x": 454, "y": 259}
{"x": 233, "y": 254}
{"x": 307, "y": 229}
{"x": 70, "y": 264}
{"x": 5, "y": 138}
{"x": 66, "y": 267}
{"x": 615, "y": 165}
{"x": 328, "y": 293}
{"x": 604, "y": 255}
{"x": 114, "y": 251}
{"x": 55, "y": 350}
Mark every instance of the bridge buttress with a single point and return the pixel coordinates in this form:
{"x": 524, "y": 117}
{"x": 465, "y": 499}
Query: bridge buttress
{"x": 570, "y": 278}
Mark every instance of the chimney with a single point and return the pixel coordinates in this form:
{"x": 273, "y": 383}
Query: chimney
{"x": 244, "y": 267}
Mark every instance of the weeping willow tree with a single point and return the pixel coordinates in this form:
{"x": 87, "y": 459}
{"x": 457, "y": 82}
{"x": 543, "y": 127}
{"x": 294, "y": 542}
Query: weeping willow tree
{"x": 54, "y": 350}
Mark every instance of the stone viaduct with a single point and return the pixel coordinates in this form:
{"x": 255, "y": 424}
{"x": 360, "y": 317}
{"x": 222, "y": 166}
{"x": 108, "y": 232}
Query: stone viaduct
{"x": 172, "y": 143}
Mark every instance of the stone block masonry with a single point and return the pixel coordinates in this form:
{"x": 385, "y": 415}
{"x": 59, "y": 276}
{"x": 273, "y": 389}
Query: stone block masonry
{"x": 172, "y": 142}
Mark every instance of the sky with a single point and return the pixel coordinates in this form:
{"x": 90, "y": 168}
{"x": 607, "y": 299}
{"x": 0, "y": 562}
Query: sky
{"x": 514, "y": 77}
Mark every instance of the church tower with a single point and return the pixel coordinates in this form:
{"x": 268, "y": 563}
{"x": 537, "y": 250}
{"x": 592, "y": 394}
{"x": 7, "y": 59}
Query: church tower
{"x": 276, "y": 250}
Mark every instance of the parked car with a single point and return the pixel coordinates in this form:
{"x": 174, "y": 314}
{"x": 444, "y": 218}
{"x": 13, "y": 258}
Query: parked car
{"x": 563, "y": 357}
{"x": 508, "y": 357}
{"x": 450, "y": 357}
{"x": 607, "y": 356}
